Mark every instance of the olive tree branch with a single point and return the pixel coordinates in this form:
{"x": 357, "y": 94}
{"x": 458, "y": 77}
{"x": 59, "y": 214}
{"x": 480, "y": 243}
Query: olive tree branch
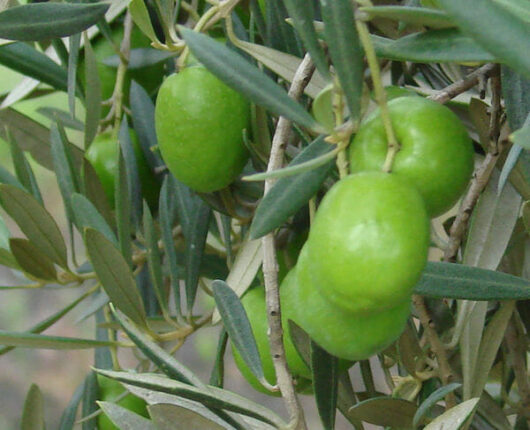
{"x": 481, "y": 175}
{"x": 459, "y": 87}
{"x": 479, "y": 181}
{"x": 270, "y": 264}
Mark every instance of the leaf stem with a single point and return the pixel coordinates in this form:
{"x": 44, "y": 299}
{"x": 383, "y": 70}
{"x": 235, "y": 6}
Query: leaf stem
{"x": 380, "y": 94}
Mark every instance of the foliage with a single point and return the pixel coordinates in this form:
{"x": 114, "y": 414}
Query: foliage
{"x": 144, "y": 266}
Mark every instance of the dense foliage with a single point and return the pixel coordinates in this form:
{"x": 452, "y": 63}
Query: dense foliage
{"x": 203, "y": 142}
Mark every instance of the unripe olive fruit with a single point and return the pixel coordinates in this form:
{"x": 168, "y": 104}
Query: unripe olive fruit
{"x": 103, "y": 155}
{"x": 436, "y": 153}
{"x": 368, "y": 244}
{"x": 254, "y": 303}
{"x": 109, "y": 390}
{"x": 344, "y": 334}
{"x": 199, "y": 124}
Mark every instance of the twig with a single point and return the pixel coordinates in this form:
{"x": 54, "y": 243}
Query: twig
{"x": 465, "y": 84}
{"x": 480, "y": 178}
{"x": 270, "y": 264}
{"x": 446, "y": 372}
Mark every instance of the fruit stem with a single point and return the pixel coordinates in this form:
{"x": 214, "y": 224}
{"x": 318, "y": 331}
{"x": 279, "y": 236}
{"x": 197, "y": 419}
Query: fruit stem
{"x": 380, "y": 94}
{"x": 205, "y": 18}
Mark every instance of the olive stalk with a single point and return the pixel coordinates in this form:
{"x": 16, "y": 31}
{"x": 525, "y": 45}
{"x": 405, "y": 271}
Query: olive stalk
{"x": 270, "y": 265}
{"x": 380, "y": 94}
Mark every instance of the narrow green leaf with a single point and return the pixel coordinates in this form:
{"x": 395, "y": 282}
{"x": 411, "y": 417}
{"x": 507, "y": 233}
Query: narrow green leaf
{"x": 36, "y": 223}
{"x": 90, "y": 395}
{"x": 7, "y": 259}
{"x": 74, "y": 43}
{"x": 280, "y": 35}
{"x": 345, "y": 50}
{"x": 40, "y": 341}
{"x": 40, "y": 21}
{"x": 48, "y": 322}
{"x": 164, "y": 361}
{"x": 64, "y": 171}
{"x": 433, "y": 46}
{"x": 185, "y": 201}
{"x": 294, "y": 169}
{"x": 140, "y": 16}
{"x": 237, "y": 325}
{"x": 23, "y": 169}
{"x": 397, "y": 412}
{"x": 86, "y": 215}
{"x": 33, "y": 412}
{"x": 165, "y": 416}
{"x": 7, "y": 178}
{"x": 62, "y": 116}
{"x": 195, "y": 249}
{"x": 455, "y": 418}
{"x": 164, "y": 218}
{"x": 246, "y": 265}
{"x": 433, "y": 18}
{"x": 456, "y": 281}
{"x": 93, "y": 190}
{"x": 123, "y": 210}
{"x": 303, "y": 15}
{"x": 284, "y": 65}
{"x": 115, "y": 276}
{"x": 491, "y": 341}
{"x": 33, "y": 137}
{"x": 289, "y": 194}
{"x": 154, "y": 260}
{"x": 217, "y": 375}
{"x": 242, "y": 76}
{"x": 69, "y": 415}
{"x": 131, "y": 170}
{"x": 143, "y": 118}
{"x": 93, "y": 94}
{"x": 325, "y": 370}
{"x": 510, "y": 38}
{"x": 27, "y": 60}
{"x": 32, "y": 261}
{"x": 208, "y": 396}
{"x": 430, "y": 401}
{"x": 124, "y": 418}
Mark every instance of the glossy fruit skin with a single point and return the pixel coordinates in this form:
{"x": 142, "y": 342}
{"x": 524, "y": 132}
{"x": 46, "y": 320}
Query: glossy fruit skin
{"x": 368, "y": 244}
{"x": 254, "y": 303}
{"x": 347, "y": 335}
{"x": 103, "y": 155}
{"x": 436, "y": 152}
{"x": 199, "y": 123}
{"x": 393, "y": 92}
{"x": 109, "y": 390}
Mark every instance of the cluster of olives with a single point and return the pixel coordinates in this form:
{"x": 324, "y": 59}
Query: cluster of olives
{"x": 367, "y": 247}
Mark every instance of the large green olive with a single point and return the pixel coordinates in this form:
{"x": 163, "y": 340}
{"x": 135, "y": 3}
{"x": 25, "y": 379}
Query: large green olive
{"x": 199, "y": 123}
{"x": 436, "y": 152}
{"x": 345, "y": 334}
{"x": 368, "y": 244}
